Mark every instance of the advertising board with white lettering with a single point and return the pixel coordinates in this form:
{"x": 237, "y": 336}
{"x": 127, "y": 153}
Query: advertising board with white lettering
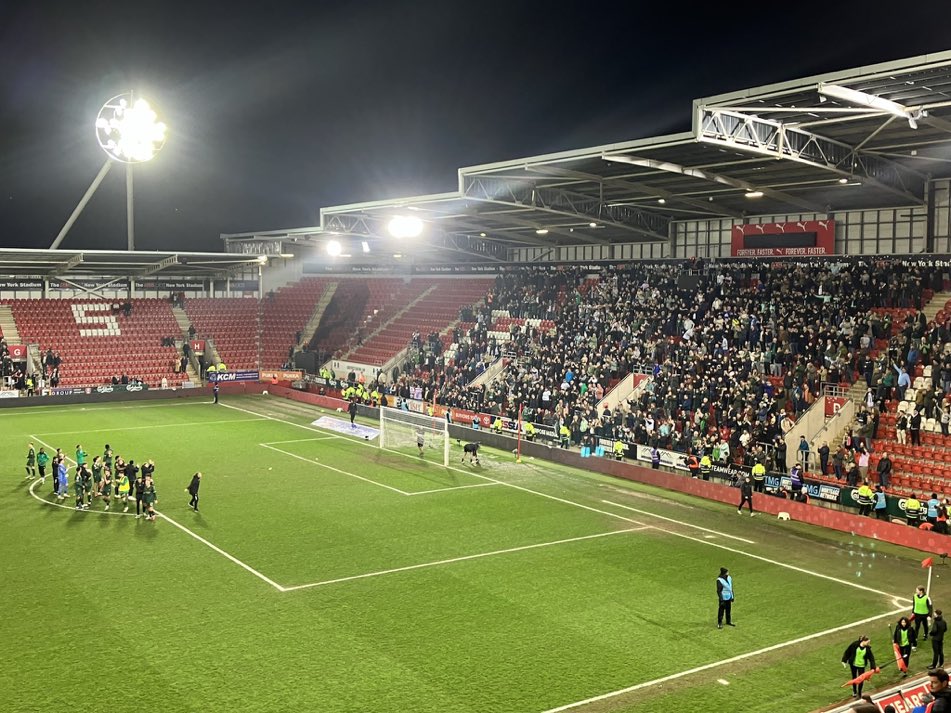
{"x": 230, "y": 376}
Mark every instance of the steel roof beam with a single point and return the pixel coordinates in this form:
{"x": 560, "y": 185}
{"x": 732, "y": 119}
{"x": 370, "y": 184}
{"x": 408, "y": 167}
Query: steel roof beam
{"x": 747, "y": 132}
{"x": 66, "y": 266}
{"x": 159, "y": 266}
{"x": 564, "y": 203}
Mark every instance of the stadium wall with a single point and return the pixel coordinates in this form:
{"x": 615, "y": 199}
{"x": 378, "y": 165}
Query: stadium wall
{"x": 823, "y": 517}
{"x": 883, "y": 231}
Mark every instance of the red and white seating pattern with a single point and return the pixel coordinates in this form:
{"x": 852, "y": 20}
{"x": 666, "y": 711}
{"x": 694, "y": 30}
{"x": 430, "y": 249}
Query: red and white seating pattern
{"x": 95, "y": 344}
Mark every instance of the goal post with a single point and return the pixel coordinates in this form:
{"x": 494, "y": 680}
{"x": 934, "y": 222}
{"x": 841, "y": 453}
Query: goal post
{"x": 404, "y": 430}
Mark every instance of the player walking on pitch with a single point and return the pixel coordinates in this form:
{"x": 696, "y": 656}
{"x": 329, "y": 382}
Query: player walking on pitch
{"x": 31, "y": 462}
{"x": 471, "y": 450}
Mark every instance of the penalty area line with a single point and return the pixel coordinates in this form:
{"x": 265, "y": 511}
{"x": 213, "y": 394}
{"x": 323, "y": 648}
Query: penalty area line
{"x": 723, "y": 662}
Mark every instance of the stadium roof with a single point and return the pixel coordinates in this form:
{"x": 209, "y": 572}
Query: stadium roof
{"x": 863, "y": 138}
{"x": 67, "y": 264}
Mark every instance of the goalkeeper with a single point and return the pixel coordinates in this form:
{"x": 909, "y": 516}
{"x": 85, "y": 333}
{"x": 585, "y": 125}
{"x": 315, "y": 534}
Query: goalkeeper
{"x": 421, "y": 441}
{"x": 471, "y": 450}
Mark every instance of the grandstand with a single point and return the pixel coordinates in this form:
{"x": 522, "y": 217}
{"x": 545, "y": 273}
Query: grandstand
{"x": 784, "y": 252}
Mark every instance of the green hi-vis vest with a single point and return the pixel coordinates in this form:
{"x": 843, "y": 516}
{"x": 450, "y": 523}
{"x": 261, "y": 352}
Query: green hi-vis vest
{"x": 904, "y": 637}
{"x": 921, "y": 604}
{"x": 859, "y": 660}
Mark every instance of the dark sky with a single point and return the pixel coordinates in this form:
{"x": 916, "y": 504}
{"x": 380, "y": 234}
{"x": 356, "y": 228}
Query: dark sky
{"x": 280, "y": 109}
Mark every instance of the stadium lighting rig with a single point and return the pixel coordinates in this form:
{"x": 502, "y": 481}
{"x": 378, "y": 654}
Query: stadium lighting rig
{"x": 854, "y": 96}
{"x": 128, "y": 130}
{"x": 405, "y": 226}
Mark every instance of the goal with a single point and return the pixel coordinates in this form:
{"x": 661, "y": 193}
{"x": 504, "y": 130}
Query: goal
{"x": 403, "y": 430}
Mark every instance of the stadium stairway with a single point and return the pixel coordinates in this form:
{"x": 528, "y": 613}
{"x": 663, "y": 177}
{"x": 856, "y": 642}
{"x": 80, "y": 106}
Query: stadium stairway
{"x": 311, "y": 327}
{"x": 8, "y": 325}
{"x": 185, "y": 323}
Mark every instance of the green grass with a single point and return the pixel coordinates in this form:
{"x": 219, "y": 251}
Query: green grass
{"x": 109, "y": 613}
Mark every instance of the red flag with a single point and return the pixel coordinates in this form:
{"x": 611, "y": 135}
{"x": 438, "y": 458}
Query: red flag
{"x": 861, "y": 678}
{"x": 927, "y": 562}
{"x": 899, "y": 660}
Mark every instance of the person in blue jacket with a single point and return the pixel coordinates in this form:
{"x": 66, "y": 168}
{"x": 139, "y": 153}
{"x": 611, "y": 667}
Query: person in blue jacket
{"x": 725, "y": 598}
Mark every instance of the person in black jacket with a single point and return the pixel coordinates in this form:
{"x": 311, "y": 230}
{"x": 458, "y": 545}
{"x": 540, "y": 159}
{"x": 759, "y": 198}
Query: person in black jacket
{"x": 352, "y": 408}
{"x": 907, "y": 640}
{"x": 746, "y": 496}
{"x": 938, "y": 627}
{"x": 859, "y": 657}
{"x": 193, "y": 491}
{"x": 938, "y": 686}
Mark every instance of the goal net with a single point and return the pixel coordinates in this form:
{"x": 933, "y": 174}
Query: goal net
{"x": 404, "y": 430}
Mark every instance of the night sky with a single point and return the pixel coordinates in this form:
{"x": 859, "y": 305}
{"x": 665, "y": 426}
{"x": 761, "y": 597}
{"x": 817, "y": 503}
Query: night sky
{"x": 277, "y": 111}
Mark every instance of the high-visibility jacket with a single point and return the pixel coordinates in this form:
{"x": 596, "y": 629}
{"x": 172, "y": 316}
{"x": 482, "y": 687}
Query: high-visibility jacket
{"x": 759, "y": 472}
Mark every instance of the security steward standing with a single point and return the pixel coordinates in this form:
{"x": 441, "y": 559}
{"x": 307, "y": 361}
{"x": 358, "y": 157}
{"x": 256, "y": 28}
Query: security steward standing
{"x": 693, "y": 465}
{"x": 618, "y": 450}
{"x": 759, "y": 478}
{"x": 724, "y": 598}
{"x": 706, "y": 466}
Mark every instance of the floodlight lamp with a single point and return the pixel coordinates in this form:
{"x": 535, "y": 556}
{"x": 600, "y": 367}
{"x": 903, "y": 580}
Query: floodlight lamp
{"x": 334, "y": 248}
{"x": 128, "y": 129}
{"x": 366, "y": 246}
{"x": 662, "y": 200}
{"x": 405, "y": 226}
{"x": 263, "y": 259}
{"x": 592, "y": 225}
{"x": 754, "y": 194}
{"x": 843, "y": 180}
{"x": 541, "y": 231}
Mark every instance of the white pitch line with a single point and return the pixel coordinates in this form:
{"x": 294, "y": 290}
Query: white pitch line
{"x": 452, "y": 487}
{"x": 462, "y": 559}
{"x": 679, "y": 522}
{"x": 221, "y": 552}
{"x": 802, "y": 570}
{"x": 158, "y": 425}
{"x": 335, "y": 470}
{"x": 37, "y": 481}
{"x": 297, "y": 440}
{"x": 173, "y": 522}
{"x": 460, "y": 470}
{"x": 716, "y": 664}
{"x": 19, "y": 410}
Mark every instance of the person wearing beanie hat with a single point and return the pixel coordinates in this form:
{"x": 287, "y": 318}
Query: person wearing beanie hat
{"x": 725, "y": 598}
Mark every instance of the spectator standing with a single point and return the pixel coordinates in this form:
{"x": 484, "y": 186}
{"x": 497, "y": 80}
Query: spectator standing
{"x": 884, "y": 470}
{"x": 803, "y": 453}
{"x": 863, "y": 463}
{"x": 938, "y": 685}
{"x": 938, "y": 628}
{"x": 881, "y": 504}
{"x": 914, "y": 427}
{"x": 824, "y": 458}
{"x": 901, "y": 428}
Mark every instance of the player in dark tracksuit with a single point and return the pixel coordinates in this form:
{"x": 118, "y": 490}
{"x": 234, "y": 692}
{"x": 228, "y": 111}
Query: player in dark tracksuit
{"x": 193, "y": 491}
{"x": 938, "y": 627}
{"x": 746, "y": 495}
{"x": 471, "y": 450}
{"x": 352, "y": 408}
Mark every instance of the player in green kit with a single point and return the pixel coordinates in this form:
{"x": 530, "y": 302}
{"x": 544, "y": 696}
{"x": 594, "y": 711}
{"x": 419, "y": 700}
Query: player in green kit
{"x": 78, "y": 489}
{"x": 97, "y": 476}
{"x": 149, "y": 498}
{"x": 31, "y": 463}
{"x": 107, "y": 457}
{"x": 81, "y": 455}
{"x": 85, "y": 477}
{"x": 42, "y": 460}
{"x": 106, "y": 489}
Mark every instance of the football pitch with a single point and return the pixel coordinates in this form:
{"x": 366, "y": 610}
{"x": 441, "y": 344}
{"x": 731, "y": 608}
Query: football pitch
{"x": 325, "y": 574}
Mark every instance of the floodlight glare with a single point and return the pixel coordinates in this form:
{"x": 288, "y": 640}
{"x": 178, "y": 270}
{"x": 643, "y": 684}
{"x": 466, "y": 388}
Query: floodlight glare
{"x": 366, "y": 246}
{"x": 405, "y": 226}
{"x": 334, "y": 248}
{"x": 128, "y": 129}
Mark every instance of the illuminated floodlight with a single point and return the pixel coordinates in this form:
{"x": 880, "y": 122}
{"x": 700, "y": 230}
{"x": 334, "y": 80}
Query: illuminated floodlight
{"x": 366, "y": 246}
{"x": 854, "y": 96}
{"x": 405, "y": 226}
{"x": 334, "y": 248}
{"x": 754, "y": 194}
{"x": 541, "y": 231}
{"x": 128, "y": 129}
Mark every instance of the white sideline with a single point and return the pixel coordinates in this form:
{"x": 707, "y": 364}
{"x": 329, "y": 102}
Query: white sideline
{"x": 167, "y": 519}
{"x": 451, "y": 487}
{"x": 679, "y": 522}
{"x": 296, "y": 440}
{"x": 462, "y": 559}
{"x": 158, "y": 425}
{"x": 106, "y": 406}
{"x": 715, "y": 664}
{"x": 460, "y": 470}
{"x": 802, "y": 570}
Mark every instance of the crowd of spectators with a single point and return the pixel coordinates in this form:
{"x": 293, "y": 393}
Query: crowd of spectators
{"x": 735, "y": 354}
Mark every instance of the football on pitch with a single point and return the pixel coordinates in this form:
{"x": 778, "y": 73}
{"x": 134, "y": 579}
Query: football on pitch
{"x": 264, "y": 393}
